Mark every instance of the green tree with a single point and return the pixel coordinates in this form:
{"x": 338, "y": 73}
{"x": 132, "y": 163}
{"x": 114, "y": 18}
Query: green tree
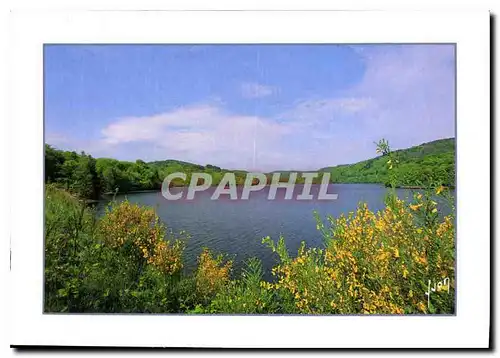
{"x": 54, "y": 160}
{"x": 85, "y": 179}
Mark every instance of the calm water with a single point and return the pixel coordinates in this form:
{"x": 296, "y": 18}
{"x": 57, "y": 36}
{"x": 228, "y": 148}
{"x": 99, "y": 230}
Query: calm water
{"x": 237, "y": 227}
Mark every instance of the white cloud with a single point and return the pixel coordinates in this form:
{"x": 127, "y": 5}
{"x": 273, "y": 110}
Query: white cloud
{"x": 206, "y": 133}
{"x": 201, "y": 133}
{"x": 256, "y": 90}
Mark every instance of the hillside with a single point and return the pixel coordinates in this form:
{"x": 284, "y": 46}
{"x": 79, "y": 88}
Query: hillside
{"x": 428, "y": 162}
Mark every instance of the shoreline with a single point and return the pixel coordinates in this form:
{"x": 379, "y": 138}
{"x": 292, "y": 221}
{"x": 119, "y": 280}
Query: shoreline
{"x": 241, "y": 185}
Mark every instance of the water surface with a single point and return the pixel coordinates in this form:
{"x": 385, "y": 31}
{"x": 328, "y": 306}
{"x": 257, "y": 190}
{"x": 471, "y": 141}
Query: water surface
{"x": 237, "y": 227}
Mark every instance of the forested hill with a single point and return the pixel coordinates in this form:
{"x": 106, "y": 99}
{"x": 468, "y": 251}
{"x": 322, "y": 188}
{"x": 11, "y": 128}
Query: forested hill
{"x": 429, "y": 162}
{"x": 88, "y": 177}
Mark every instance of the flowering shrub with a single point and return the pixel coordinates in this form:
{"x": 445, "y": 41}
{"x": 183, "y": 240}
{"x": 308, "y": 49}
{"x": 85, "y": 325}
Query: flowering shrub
{"x": 302, "y": 282}
{"x": 139, "y": 230}
{"x": 166, "y": 257}
{"x": 125, "y": 224}
{"x": 212, "y": 273}
{"x": 375, "y": 263}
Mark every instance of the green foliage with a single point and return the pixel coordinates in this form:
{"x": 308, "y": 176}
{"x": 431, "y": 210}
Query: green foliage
{"x": 69, "y": 232}
{"x": 84, "y": 179}
{"x": 88, "y": 178}
{"x": 279, "y": 248}
{"x": 54, "y": 160}
{"x": 247, "y": 295}
{"x": 416, "y": 166}
{"x": 75, "y": 172}
{"x": 101, "y": 266}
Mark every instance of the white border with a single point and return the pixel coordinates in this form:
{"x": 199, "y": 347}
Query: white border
{"x": 30, "y": 30}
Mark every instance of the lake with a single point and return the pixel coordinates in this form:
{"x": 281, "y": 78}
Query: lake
{"x": 236, "y": 227}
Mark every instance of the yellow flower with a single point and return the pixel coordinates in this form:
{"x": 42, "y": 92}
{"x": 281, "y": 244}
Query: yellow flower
{"x": 434, "y": 210}
{"x": 415, "y": 207}
{"x": 439, "y": 189}
{"x": 421, "y": 306}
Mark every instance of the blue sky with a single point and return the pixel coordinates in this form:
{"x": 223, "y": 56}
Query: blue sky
{"x": 254, "y": 107}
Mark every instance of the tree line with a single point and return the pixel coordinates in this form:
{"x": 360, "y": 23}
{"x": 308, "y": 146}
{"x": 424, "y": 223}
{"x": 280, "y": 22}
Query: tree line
{"x": 81, "y": 174}
{"x": 89, "y": 178}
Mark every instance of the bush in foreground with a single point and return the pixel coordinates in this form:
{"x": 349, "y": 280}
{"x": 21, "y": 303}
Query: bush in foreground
{"x": 377, "y": 263}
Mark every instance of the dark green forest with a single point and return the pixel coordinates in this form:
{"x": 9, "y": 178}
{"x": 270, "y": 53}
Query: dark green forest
{"x": 88, "y": 177}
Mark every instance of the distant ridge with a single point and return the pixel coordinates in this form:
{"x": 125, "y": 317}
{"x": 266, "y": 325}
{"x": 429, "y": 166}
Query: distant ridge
{"x": 428, "y": 162}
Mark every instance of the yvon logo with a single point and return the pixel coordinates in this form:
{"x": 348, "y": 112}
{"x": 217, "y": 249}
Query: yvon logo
{"x": 443, "y": 285}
